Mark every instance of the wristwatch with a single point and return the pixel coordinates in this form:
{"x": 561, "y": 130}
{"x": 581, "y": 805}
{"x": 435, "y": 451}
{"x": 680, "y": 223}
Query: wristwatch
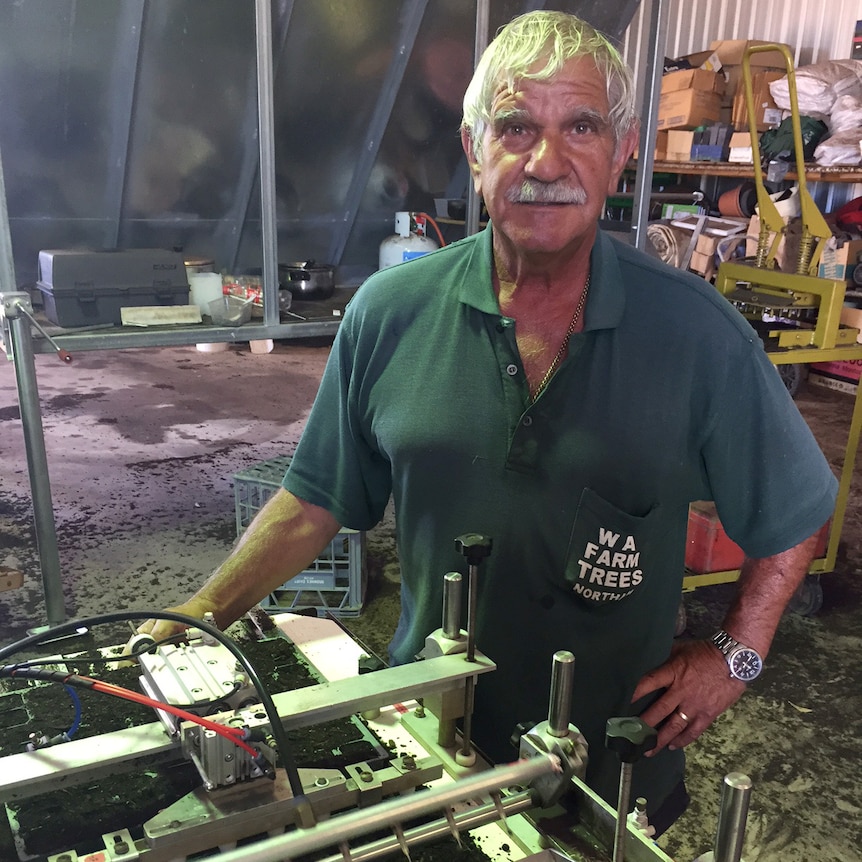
{"x": 744, "y": 662}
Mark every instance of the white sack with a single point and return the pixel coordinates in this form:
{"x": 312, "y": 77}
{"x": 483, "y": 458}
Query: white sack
{"x": 840, "y": 149}
{"x": 819, "y": 85}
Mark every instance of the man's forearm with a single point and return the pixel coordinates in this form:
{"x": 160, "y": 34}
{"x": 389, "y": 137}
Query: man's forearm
{"x": 694, "y": 684}
{"x": 286, "y": 535}
{"x": 765, "y": 587}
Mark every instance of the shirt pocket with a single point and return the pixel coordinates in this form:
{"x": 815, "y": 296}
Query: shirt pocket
{"x": 611, "y": 554}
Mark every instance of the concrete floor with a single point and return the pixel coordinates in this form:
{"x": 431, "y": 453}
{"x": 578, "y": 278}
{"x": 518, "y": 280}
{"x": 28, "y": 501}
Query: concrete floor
{"x": 142, "y": 447}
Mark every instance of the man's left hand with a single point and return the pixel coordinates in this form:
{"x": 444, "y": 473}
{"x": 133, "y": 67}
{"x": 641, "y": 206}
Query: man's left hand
{"x": 697, "y": 689}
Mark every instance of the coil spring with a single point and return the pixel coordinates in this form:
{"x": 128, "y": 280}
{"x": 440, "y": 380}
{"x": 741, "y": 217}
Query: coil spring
{"x": 762, "y": 246}
{"x": 806, "y": 248}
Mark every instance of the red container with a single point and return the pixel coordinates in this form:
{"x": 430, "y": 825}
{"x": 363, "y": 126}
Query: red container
{"x": 710, "y": 549}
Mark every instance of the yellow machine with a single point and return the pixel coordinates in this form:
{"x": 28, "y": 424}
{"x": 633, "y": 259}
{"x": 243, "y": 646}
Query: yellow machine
{"x": 797, "y": 314}
{"x": 808, "y": 308}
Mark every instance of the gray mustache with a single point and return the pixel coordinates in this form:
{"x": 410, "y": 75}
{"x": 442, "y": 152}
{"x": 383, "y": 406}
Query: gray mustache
{"x": 535, "y": 191}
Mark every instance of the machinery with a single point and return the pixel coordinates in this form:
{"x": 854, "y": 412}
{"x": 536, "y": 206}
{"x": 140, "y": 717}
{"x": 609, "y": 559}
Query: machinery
{"x": 804, "y": 310}
{"x": 254, "y": 803}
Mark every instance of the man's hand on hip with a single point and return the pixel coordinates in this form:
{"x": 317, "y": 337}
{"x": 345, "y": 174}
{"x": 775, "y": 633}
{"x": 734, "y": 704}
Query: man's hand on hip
{"x": 697, "y": 689}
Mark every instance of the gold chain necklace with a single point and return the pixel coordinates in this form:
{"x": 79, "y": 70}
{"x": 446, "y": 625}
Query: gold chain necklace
{"x": 558, "y": 358}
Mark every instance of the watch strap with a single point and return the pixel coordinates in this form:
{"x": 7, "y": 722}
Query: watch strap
{"x": 724, "y": 641}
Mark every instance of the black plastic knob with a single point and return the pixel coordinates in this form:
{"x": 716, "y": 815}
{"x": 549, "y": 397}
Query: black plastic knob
{"x": 369, "y": 663}
{"x": 474, "y": 546}
{"x": 521, "y": 728}
{"x": 630, "y": 737}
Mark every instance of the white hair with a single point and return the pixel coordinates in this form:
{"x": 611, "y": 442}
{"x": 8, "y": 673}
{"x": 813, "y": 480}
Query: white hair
{"x": 555, "y": 38}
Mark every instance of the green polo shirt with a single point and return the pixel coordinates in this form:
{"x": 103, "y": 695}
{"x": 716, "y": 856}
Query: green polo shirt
{"x": 666, "y": 397}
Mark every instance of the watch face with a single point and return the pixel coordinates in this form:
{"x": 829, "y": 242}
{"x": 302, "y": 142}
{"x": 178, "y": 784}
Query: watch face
{"x": 745, "y": 664}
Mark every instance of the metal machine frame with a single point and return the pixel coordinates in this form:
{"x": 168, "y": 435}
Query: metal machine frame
{"x": 758, "y": 285}
{"x": 466, "y": 797}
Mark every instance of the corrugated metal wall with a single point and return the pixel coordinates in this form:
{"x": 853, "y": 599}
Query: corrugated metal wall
{"x": 817, "y": 29}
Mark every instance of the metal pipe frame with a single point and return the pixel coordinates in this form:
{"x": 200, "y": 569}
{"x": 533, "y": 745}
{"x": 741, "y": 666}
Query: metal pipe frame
{"x": 656, "y": 36}
{"x": 266, "y": 136}
{"x": 474, "y": 204}
{"x": 21, "y": 344}
{"x": 411, "y": 18}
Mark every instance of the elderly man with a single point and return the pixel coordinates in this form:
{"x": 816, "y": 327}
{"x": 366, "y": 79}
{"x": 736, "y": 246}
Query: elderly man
{"x": 568, "y": 396}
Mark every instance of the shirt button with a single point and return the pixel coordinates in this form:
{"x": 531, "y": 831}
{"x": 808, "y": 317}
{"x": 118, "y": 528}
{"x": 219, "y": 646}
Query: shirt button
{"x": 528, "y": 421}
{"x": 511, "y": 370}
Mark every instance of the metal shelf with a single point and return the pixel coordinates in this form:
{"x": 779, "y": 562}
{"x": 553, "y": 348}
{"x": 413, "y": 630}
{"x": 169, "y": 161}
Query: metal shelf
{"x": 320, "y": 318}
{"x": 813, "y": 172}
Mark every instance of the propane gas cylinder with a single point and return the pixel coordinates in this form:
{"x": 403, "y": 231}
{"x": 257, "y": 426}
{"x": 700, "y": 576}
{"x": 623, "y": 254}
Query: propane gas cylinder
{"x": 408, "y": 241}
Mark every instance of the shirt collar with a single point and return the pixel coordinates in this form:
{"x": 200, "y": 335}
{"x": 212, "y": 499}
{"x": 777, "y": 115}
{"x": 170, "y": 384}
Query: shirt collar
{"x": 605, "y": 303}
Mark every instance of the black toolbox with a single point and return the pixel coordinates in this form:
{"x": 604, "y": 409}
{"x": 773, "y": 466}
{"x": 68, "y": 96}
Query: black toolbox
{"x": 84, "y": 287}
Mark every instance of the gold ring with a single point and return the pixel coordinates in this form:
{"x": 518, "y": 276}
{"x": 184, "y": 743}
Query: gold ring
{"x": 683, "y": 716}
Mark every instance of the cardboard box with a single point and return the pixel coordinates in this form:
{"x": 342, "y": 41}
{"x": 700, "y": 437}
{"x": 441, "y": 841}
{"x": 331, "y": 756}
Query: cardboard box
{"x": 688, "y": 109}
{"x": 660, "y": 152}
{"x": 852, "y": 317}
{"x": 700, "y": 60}
{"x": 740, "y": 150}
{"x": 702, "y": 264}
{"x": 766, "y": 113}
{"x": 661, "y": 145}
{"x": 730, "y": 53}
{"x": 679, "y": 144}
{"x": 693, "y": 79}
{"x": 707, "y": 244}
{"x": 839, "y": 262}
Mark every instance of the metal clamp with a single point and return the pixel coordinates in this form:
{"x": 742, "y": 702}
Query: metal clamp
{"x": 18, "y": 304}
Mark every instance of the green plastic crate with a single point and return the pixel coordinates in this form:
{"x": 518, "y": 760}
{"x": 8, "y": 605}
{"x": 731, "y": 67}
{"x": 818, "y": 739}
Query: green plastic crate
{"x": 335, "y": 582}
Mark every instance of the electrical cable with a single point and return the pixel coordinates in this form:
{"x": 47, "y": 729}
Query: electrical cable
{"x": 227, "y": 731}
{"x": 135, "y": 653}
{"x": 76, "y": 702}
{"x": 72, "y": 679}
{"x": 282, "y": 744}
